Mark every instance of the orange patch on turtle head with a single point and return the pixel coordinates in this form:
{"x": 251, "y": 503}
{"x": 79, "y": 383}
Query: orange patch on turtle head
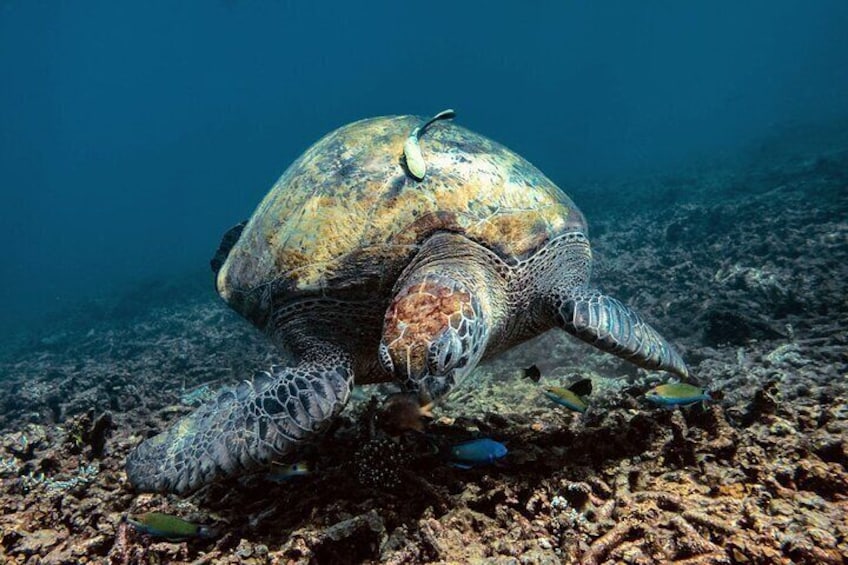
{"x": 418, "y": 316}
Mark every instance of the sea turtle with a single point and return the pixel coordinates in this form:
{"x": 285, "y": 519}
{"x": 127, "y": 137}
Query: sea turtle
{"x": 365, "y": 272}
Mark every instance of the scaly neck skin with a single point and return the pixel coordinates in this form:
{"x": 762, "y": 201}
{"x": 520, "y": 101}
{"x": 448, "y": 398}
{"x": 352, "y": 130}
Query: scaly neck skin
{"x": 563, "y": 262}
{"x": 353, "y": 326}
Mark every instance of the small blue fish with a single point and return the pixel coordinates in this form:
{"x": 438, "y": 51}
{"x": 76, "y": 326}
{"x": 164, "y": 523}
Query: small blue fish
{"x": 286, "y": 473}
{"x": 161, "y": 525}
{"x": 573, "y": 397}
{"x": 677, "y": 394}
{"x": 476, "y": 452}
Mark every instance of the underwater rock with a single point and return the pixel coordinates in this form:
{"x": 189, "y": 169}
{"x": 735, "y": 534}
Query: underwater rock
{"x": 728, "y": 327}
{"x": 24, "y": 443}
{"x": 86, "y": 431}
{"x": 764, "y": 403}
{"x": 37, "y": 542}
{"x": 352, "y": 540}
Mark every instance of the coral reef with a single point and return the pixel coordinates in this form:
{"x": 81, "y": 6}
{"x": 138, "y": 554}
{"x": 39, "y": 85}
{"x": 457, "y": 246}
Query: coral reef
{"x": 747, "y": 271}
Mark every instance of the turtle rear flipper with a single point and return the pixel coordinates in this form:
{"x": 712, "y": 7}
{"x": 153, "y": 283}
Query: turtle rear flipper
{"x": 245, "y": 427}
{"x": 611, "y": 326}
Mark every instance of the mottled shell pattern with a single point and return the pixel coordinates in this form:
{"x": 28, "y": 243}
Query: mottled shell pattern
{"x": 347, "y": 216}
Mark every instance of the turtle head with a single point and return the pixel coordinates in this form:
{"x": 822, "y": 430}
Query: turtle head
{"x": 434, "y": 334}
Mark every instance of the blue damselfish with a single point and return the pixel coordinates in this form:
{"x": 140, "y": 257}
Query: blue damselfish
{"x": 476, "y": 452}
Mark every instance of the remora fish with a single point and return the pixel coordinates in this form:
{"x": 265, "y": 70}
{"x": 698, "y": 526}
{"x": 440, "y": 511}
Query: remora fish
{"x": 412, "y": 150}
{"x": 161, "y": 525}
{"x": 677, "y": 394}
{"x": 573, "y": 397}
{"x": 476, "y": 452}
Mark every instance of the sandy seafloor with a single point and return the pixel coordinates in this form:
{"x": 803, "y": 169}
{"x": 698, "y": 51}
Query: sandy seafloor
{"x": 743, "y": 264}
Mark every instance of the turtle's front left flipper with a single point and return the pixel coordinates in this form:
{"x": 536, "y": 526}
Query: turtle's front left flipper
{"x": 611, "y": 326}
{"x": 245, "y": 427}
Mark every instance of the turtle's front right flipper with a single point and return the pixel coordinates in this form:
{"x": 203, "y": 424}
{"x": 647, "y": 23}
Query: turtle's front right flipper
{"x": 245, "y": 427}
{"x": 611, "y": 326}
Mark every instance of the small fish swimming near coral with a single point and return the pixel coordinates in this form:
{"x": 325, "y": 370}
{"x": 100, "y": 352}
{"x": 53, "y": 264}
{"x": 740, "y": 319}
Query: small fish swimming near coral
{"x": 476, "y": 452}
{"x": 285, "y": 473}
{"x": 533, "y": 373}
{"x": 161, "y": 525}
{"x": 412, "y": 150}
{"x": 573, "y": 397}
{"x": 677, "y": 394}
{"x": 403, "y": 412}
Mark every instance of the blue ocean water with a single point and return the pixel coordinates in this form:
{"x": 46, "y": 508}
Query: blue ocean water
{"x": 132, "y": 135}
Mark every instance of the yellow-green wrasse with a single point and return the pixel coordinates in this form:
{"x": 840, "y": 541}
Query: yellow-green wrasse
{"x": 573, "y": 397}
{"x": 161, "y": 525}
{"x": 677, "y": 394}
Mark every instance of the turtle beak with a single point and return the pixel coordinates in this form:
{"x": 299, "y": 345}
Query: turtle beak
{"x": 431, "y": 388}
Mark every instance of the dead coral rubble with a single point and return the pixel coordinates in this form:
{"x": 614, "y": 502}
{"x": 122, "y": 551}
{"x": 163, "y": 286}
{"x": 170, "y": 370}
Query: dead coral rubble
{"x": 754, "y": 285}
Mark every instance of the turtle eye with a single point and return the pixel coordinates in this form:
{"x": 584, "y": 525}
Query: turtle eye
{"x": 448, "y": 357}
{"x": 445, "y": 352}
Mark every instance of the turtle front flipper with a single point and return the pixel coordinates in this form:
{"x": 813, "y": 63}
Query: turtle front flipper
{"x": 611, "y": 326}
{"x": 246, "y": 427}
